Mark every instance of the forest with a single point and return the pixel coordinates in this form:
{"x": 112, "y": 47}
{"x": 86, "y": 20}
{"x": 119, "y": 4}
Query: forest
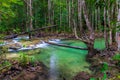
{"x": 59, "y": 39}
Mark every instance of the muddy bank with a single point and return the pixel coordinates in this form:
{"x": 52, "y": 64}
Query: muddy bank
{"x": 38, "y": 71}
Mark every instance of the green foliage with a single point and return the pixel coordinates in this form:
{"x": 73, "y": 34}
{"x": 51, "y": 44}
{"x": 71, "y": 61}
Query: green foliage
{"x": 5, "y": 66}
{"x": 104, "y": 76}
{"x": 2, "y": 42}
{"x": 32, "y": 60}
{"x": 2, "y": 36}
{"x": 104, "y": 67}
{"x": 23, "y": 59}
{"x": 9, "y": 13}
{"x": 6, "y": 63}
{"x": 92, "y": 79}
{"x": 17, "y": 30}
{"x": 103, "y": 70}
{"x": 116, "y": 57}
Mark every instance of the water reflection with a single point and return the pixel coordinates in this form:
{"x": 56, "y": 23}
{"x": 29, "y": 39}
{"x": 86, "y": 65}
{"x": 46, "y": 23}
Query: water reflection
{"x": 53, "y": 72}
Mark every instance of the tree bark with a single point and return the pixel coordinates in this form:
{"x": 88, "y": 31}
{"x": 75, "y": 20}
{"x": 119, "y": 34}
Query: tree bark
{"x": 118, "y": 24}
{"x": 90, "y": 44}
{"x": 69, "y": 13}
{"x": 105, "y": 28}
{"x": 49, "y": 11}
{"x": 31, "y": 16}
{"x": 73, "y": 20}
{"x": 92, "y": 34}
{"x": 80, "y": 15}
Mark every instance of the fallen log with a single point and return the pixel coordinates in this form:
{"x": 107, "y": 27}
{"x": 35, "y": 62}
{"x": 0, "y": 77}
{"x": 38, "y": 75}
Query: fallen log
{"x": 26, "y": 32}
{"x": 63, "y": 45}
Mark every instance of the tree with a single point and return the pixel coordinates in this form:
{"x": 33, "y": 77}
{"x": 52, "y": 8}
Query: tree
{"x": 29, "y": 23}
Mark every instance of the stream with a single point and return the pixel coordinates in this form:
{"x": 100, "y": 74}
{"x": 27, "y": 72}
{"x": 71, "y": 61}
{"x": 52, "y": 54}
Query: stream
{"x": 63, "y": 63}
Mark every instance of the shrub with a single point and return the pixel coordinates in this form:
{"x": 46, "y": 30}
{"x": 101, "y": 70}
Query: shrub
{"x": 23, "y": 59}
{"x": 116, "y": 57}
{"x": 32, "y": 60}
{"x": 103, "y": 70}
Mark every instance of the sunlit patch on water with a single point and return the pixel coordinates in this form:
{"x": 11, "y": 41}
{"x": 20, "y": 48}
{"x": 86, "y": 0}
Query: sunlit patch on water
{"x": 64, "y": 63}
{"x": 53, "y": 72}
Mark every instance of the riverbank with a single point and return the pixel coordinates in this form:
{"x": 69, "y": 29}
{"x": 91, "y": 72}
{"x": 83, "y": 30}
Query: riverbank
{"x": 103, "y": 66}
{"x": 97, "y": 61}
{"x": 38, "y": 71}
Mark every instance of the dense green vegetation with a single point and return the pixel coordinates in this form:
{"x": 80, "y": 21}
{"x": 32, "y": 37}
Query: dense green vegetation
{"x": 89, "y": 21}
{"x": 67, "y": 14}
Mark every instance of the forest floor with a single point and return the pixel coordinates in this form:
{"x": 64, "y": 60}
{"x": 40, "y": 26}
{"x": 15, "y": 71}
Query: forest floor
{"x": 38, "y": 71}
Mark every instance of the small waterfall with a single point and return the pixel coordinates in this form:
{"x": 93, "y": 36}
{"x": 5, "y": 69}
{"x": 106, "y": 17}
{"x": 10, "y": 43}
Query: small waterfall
{"x": 30, "y": 47}
{"x": 53, "y": 73}
{"x": 55, "y": 40}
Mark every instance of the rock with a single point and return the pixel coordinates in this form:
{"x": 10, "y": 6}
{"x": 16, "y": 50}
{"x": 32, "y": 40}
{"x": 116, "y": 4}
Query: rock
{"x": 82, "y": 76}
{"x": 14, "y": 46}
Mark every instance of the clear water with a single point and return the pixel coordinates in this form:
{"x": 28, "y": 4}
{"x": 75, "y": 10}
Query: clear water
{"x": 67, "y": 62}
{"x": 64, "y": 62}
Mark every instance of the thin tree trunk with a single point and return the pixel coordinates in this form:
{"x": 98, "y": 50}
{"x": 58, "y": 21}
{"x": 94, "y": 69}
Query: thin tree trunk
{"x": 60, "y": 15}
{"x": 69, "y": 14}
{"x": 92, "y": 34}
{"x": 105, "y": 28}
{"x": 73, "y": 20}
{"x": 80, "y": 15}
{"x": 49, "y": 12}
{"x": 31, "y": 15}
{"x": 109, "y": 25}
{"x": 118, "y": 24}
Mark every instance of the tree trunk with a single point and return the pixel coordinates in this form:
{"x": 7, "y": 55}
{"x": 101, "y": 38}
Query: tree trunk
{"x": 31, "y": 16}
{"x": 105, "y": 28}
{"x": 69, "y": 14}
{"x": 118, "y": 24}
{"x": 92, "y": 34}
{"x": 73, "y": 20}
{"x": 49, "y": 11}
{"x": 90, "y": 44}
{"x": 80, "y": 15}
{"x": 60, "y": 15}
